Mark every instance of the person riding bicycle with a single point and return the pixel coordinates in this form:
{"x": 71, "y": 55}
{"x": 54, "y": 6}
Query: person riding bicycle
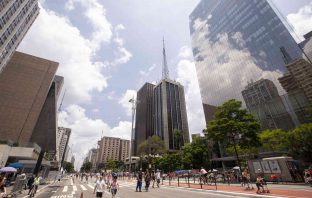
{"x": 203, "y": 174}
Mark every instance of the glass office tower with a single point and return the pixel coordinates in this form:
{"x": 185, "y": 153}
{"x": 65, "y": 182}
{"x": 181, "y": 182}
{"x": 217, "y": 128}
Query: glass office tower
{"x": 237, "y": 46}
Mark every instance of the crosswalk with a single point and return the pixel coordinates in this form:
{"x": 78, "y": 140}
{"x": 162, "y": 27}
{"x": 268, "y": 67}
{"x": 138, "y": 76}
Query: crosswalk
{"x": 86, "y": 187}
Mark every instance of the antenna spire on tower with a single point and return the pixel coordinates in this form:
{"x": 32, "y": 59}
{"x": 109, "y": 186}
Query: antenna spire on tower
{"x": 165, "y": 71}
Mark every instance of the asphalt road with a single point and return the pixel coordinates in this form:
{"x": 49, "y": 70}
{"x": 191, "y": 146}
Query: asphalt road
{"x": 73, "y": 189}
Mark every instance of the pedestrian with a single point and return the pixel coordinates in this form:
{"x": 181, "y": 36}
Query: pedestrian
{"x": 114, "y": 187}
{"x": 87, "y": 177}
{"x": 139, "y": 181}
{"x": 30, "y": 183}
{"x": 99, "y": 187}
{"x": 2, "y": 187}
{"x": 108, "y": 181}
{"x": 147, "y": 178}
{"x": 158, "y": 177}
{"x": 153, "y": 178}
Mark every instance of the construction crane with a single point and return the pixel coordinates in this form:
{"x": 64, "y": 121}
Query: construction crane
{"x": 60, "y": 107}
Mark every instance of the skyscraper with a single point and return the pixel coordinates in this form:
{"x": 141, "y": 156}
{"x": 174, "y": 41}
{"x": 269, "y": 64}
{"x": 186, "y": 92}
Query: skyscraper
{"x": 236, "y": 42}
{"x": 262, "y": 100}
{"x": 169, "y": 111}
{"x": 48, "y": 122}
{"x": 16, "y": 17}
{"x": 144, "y": 115}
{"x": 24, "y": 87}
{"x": 306, "y": 45}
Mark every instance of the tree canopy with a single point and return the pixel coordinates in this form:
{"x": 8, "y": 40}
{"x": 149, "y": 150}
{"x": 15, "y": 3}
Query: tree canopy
{"x": 234, "y": 127}
{"x": 86, "y": 167}
{"x": 299, "y": 141}
{"x": 196, "y": 154}
{"x": 274, "y": 140}
{"x": 68, "y": 166}
{"x": 153, "y": 145}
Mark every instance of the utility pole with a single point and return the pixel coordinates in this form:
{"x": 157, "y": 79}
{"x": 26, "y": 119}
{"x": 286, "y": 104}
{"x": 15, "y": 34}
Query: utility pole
{"x": 133, "y": 102}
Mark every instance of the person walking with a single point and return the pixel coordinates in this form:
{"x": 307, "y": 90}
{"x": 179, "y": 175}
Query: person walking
{"x": 114, "y": 187}
{"x": 2, "y": 187}
{"x": 153, "y": 178}
{"x": 30, "y": 183}
{"x": 87, "y": 177}
{"x": 158, "y": 178}
{"x": 99, "y": 187}
{"x": 147, "y": 178}
{"x": 139, "y": 181}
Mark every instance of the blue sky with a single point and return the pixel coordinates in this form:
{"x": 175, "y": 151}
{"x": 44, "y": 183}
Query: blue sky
{"x": 108, "y": 49}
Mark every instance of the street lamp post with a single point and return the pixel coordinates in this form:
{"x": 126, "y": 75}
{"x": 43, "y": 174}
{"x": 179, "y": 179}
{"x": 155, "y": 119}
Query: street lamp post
{"x": 133, "y": 102}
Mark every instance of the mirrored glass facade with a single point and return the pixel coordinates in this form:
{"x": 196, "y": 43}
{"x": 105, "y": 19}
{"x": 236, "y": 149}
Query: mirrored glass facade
{"x": 237, "y": 49}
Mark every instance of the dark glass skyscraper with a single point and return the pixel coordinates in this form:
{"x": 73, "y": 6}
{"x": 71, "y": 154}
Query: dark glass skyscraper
{"x": 169, "y": 113}
{"x": 236, "y": 43}
{"x": 144, "y": 115}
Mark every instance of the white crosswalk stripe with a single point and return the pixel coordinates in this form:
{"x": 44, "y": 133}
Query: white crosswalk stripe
{"x": 82, "y": 187}
{"x": 91, "y": 186}
{"x": 65, "y": 189}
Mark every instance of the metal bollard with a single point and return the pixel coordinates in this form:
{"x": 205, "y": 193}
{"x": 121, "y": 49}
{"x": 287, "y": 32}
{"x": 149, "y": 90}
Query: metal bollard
{"x": 169, "y": 181}
{"x": 200, "y": 181}
{"x": 178, "y": 181}
{"x": 188, "y": 180}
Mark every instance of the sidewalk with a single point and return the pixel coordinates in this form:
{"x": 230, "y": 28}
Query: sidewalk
{"x": 24, "y": 193}
{"x": 278, "y": 190}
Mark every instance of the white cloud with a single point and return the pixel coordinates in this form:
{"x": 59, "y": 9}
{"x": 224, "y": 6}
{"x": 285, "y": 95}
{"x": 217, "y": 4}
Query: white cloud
{"x": 69, "y": 5}
{"x": 86, "y": 131}
{"x": 95, "y": 13}
{"x": 148, "y": 71}
{"x": 186, "y": 75}
{"x": 302, "y": 20}
{"x": 122, "y": 55}
{"x": 185, "y": 52}
{"x": 71, "y": 50}
{"x": 124, "y": 100}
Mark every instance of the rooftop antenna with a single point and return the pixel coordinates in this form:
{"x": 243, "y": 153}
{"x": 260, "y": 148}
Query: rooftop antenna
{"x": 165, "y": 71}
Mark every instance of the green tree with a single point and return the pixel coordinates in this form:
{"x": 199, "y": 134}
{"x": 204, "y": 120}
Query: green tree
{"x": 299, "y": 141}
{"x": 178, "y": 138}
{"x": 274, "y": 140}
{"x": 120, "y": 165}
{"x": 196, "y": 154}
{"x": 86, "y": 167}
{"x": 233, "y": 127}
{"x": 68, "y": 166}
{"x": 153, "y": 145}
{"x": 111, "y": 165}
{"x": 170, "y": 162}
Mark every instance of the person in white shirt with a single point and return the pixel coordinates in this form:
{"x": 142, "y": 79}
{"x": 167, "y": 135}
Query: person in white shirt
{"x": 99, "y": 187}
{"x": 158, "y": 177}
